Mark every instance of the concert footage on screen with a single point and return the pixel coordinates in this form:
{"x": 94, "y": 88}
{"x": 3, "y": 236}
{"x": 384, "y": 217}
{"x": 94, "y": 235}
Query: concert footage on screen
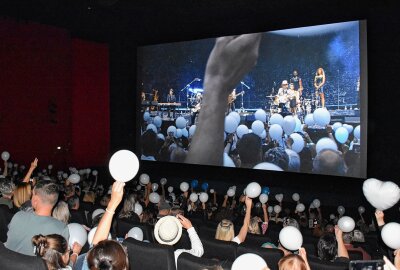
{"x": 300, "y": 108}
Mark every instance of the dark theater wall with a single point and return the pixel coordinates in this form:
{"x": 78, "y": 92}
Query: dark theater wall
{"x": 54, "y": 92}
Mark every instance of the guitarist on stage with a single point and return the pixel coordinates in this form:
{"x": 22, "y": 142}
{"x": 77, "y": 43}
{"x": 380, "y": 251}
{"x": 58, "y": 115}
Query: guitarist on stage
{"x": 196, "y": 106}
{"x": 231, "y": 100}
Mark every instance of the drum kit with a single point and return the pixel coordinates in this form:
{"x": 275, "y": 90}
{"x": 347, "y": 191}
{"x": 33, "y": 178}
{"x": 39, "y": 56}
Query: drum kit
{"x": 281, "y": 105}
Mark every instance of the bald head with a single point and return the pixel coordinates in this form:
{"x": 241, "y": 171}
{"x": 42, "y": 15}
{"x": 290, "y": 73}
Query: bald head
{"x": 329, "y": 162}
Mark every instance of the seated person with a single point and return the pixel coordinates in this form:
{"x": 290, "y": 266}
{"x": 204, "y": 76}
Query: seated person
{"x": 25, "y": 225}
{"x": 6, "y": 189}
{"x": 347, "y": 239}
{"x": 225, "y": 229}
{"x": 77, "y": 215}
{"x": 331, "y": 248}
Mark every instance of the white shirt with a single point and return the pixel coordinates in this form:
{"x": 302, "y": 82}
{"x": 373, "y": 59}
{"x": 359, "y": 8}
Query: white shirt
{"x": 197, "y": 247}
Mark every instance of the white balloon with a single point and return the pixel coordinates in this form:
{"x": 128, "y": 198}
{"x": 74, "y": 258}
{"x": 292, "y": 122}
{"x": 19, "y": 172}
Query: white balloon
{"x": 263, "y": 198}
{"x": 193, "y": 197}
{"x": 138, "y": 209}
{"x": 178, "y": 133}
{"x": 341, "y": 210}
{"x": 170, "y": 189}
{"x": 242, "y": 130}
{"x": 326, "y": 143}
{"x": 50, "y": 167}
{"x": 146, "y": 116}
{"x": 349, "y": 128}
{"x": 65, "y": 175}
{"x": 138, "y": 187}
{"x": 341, "y": 134}
{"x": 249, "y": 261}
{"x": 136, "y": 233}
{"x": 298, "y": 124}
{"x": 361, "y": 209}
{"x": 123, "y": 165}
{"x": 74, "y": 178}
{"x": 290, "y": 238}
{"x": 296, "y": 197}
{"x": 154, "y": 197}
{"x": 154, "y": 187}
{"x": 253, "y": 190}
{"x": 300, "y": 207}
{"x": 192, "y": 130}
{"x": 230, "y": 124}
{"x": 211, "y": 191}
{"x": 231, "y": 192}
{"x": 336, "y": 125}
{"x": 322, "y": 117}
{"x": 152, "y": 127}
{"x": 185, "y": 133}
{"x": 309, "y": 120}
{"x": 163, "y": 181}
{"x": 277, "y": 209}
{"x": 144, "y": 179}
{"x": 184, "y": 186}
{"x": 267, "y": 166}
{"x": 171, "y": 129}
{"x": 391, "y": 235}
{"x": 203, "y": 197}
{"x": 276, "y": 119}
{"x": 298, "y": 142}
{"x": 270, "y": 209}
{"x": 275, "y": 131}
{"x": 289, "y": 124}
{"x": 228, "y": 162}
{"x": 180, "y": 122}
{"x": 316, "y": 203}
{"x": 5, "y": 156}
{"x": 346, "y": 224}
{"x": 257, "y": 127}
{"x": 97, "y": 212}
{"x": 77, "y": 234}
{"x": 263, "y": 134}
{"x": 279, "y": 197}
{"x": 91, "y": 235}
{"x": 236, "y": 116}
{"x": 161, "y": 136}
{"x": 357, "y": 132}
{"x": 261, "y": 115}
{"x": 157, "y": 121}
{"x": 94, "y": 172}
{"x": 381, "y": 195}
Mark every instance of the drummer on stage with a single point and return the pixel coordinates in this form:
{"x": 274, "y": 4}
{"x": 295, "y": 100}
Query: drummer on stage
{"x": 283, "y": 95}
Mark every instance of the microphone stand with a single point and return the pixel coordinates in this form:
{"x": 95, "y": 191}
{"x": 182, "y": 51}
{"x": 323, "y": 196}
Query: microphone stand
{"x": 187, "y": 93}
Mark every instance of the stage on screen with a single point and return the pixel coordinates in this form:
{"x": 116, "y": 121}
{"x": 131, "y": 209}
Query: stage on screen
{"x": 302, "y": 108}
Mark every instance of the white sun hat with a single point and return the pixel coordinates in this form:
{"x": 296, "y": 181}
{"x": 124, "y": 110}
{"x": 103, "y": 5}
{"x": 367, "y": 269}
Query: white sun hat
{"x": 168, "y": 230}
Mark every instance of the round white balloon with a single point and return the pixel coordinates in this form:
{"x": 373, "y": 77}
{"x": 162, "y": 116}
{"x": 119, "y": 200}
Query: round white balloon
{"x": 74, "y": 178}
{"x": 316, "y": 203}
{"x": 275, "y": 131}
{"x": 261, "y": 115}
{"x": 171, "y": 130}
{"x": 276, "y": 119}
{"x": 230, "y": 124}
{"x": 154, "y": 197}
{"x": 341, "y": 210}
{"x": 309, "y": 120}
{"x": 203, "y": 197}
{"x": 152, "y": 127}
{"x": 322, "y": 117}
{"x": 242, "y": 130}
{"x": 138, "y": 209}
{"x": 346, "y": 224}
{"x": 257, "y": 127}
{"x": 144, "y": 179}
{"x": 300, "y": 207}
{"x": 391, "y": 235}
{"x": 290, "y": 238}
{"x": 298, "y": 142}
{"x": 193, "y": 197}
{"x": 180, "y": 122}
{"x": 184, "y": 186}
{"x": 236, "y": 116}
{"x": 192, "y": 130}
{"x": 123, "y": 165}
{"x": 357, "y": 132}
{"x": 249, "y": 261}
{"x": 253, "y": 190}
{"x": 341, "y": 134}
{"x": 228, "y": 162}
{"x": 157, "y": 121}
{"x": 5, "y": 156}
{"x": 77, "y": 234}
{"x": 296, "y": 197}
{"x": 146, "y": 116}
{"x": 361, "y": 209}
{"x": 277, "y": 209}
{"x": 231, "y": 192}
{"x": 263, "y": 198}
{"x": 289, "y": 124}
{"x": 336, "y": 125}
{"x": 136, "y": 233}
{"x": 170, "y": 189}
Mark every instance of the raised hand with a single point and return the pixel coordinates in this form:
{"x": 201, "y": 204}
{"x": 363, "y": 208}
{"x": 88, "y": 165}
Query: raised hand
{"x": 185, "y": 222}
{"x": 117, "y": 193}
{"x": 34, "y": 163}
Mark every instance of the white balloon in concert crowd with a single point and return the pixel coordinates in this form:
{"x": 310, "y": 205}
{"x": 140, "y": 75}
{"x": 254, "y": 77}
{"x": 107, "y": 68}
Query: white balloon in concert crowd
{"x": 154, "y": 187}
{"x": 242, "y": 130}
{"x": 230, "y": 124}
{"x": 180, "y": 122}
{"x": 154, "y": 197}
{"x": 277, "y": 209}
{"x": 289, "y": 124}
{"x": 322, "y": 117}
{"x": 270, "y": 209}
{"x": 257, "y": 127}
{"x": 290, "y": 238}
{"x": 228, "y": 162}
{"x": 357, "y": 132}
{"x": 391, "y": 235}
{"x": 349, "y": 128}
{"x": 263, "y": 198}
{"x": 144, "y": 179}
{"x": 263, "y": 134}
{"x": 5, "y": 156}
{"x": 236, "y": 116}
{"x": 276, "y": 119}
{"x": 267, "y": 166}
{"x": 74, "y": 178}
{"x": 298, "y": 142}
{"x": 326, "y": 143}
{"x": 296, "y": 197}
{"x": 171, "y": 129}
{"x": 346, "y": 224}
{"x": 309, "y": 120}
{"x": 76, "y": 234}
{"x": 138, "y": 209}
{"x": 361, "y": 209}
{"x": 163, "y": 181}
{"x": 341, "y": 134}
{"x": 300, "y": 207}
{"x": 279, "y": 197}
{"x": 178, "y": 133}
{"x": 230, "y": 192}
{"x": 341, "y": 210}
{"x": 298, "y": 125}
{"x": 316, "y": 203}
{"x": 193, "y": 197}
{"x": 152, "y": 127}
{"x": 249, "y": 261}
{"x": 136, "y": 233}
{"x": 275, "y": 131}
{"x": 203, "y": 197}
{"x": 253, "y": 190}
{"x": 161, "y": 136}
{"x": 184, "y": 186}
{"x": 157, "y": 121}
{"x": 146, "y": 116}
{"x": 261, "y": 115}
{"x": 185, "y": 132}
{"x": 170, "y": 189}
{"x": 336, "y": 125}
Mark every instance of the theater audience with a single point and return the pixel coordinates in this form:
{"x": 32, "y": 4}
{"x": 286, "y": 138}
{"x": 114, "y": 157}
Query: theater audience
{"x": 25, "y": 225}
{"x": 61, "y": 212}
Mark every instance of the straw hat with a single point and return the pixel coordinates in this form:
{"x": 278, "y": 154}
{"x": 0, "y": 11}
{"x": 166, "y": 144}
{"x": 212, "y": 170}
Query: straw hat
{"x": 168, "y": 230}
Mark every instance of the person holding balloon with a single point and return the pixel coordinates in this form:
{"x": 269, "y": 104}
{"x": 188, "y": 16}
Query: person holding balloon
{"x": 331, "y": 247}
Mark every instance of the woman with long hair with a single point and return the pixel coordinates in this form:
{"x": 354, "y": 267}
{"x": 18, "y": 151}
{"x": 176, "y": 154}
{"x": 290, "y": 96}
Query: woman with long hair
{"x": 128, "y": 210}
{"x": 22, "y": 195}
{"x": 319, "y": 82}
{"x": 54, "y": 250}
